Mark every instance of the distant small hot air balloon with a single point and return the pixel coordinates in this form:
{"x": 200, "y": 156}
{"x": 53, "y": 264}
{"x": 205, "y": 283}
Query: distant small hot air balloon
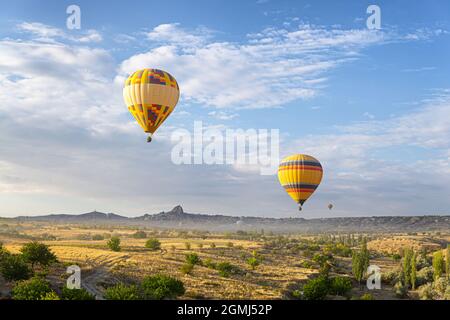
{"x": 300, "y": 175}
{"x": 151, "y": 95}
{"x": 330, "y": 206}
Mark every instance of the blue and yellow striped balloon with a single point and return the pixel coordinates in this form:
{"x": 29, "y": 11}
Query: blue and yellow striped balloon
{"x": 300, "y": 175}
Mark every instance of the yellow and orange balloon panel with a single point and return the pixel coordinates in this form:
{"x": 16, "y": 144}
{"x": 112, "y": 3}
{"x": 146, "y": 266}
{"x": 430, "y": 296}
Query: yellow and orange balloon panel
{"x": 300, "y": 175}
{"x": 151, "y": 95}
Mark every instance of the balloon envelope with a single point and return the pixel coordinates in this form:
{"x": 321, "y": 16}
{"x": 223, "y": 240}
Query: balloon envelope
{"x": 300, "y": 175}
{"x": 151, "y": 95}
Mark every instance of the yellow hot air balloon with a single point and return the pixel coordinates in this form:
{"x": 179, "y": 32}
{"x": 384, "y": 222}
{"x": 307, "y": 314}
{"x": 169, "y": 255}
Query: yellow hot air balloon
{"x": 151, "y": 95}
{"x": 300, "y": 175}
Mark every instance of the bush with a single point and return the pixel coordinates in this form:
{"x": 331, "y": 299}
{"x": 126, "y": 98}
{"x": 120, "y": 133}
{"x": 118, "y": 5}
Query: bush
{"x": 76, "y": 294}
{"x": 225, "y": 269}
{"x": 340, "y": 286}
{"x": 209, "y": 264}
{"x": 367, "y": 296}
{"x": 401, "y": 291}
{"x": 32, "y": 289}
{"x": 187, "y": 245}
{"x": 122, "y": 292}
{"x": 35, "y": 252}
{"x": 51, "y": 296}
{"x": 212, "y": 245}
{"x": 14, "y": 268}
{"x": 253, "y": 262}
{"x": 160, "y": 287}
{"x": 230, "y": 244}
{"x": 153, "y": 244}
{"x": 424, "y": 275}
{"x": 114, "y": 244}
{"x": 426, "y": 292}
{"x": 97, "y": 237}
{"x": 316, "y": 289}
{"x": 391, "y": 277}
{"x": 139, "y": 235}
{"x": 187, "y": 268}
{"x": 192, "y": 258}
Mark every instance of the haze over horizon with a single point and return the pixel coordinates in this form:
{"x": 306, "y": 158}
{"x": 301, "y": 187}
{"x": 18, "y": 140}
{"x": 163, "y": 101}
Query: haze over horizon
{"x": 372, "y": 105}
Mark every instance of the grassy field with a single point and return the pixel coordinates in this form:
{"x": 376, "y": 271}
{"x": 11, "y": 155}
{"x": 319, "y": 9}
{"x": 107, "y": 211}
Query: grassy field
{"x": 285, "y": 261}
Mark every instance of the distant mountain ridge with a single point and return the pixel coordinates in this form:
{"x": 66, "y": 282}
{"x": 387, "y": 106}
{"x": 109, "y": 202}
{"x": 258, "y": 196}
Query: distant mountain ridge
{"x": 177, "y": 218}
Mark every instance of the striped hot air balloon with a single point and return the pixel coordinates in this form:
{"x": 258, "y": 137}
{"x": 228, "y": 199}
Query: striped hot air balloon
{"x": 300, "y": 175}
{"x": 151, "y": 95}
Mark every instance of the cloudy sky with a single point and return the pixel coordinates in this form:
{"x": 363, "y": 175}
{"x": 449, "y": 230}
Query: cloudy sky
{"x": 372, "y": 105}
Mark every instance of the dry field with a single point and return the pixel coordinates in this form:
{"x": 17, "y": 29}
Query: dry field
{"x": 280, "y": 271}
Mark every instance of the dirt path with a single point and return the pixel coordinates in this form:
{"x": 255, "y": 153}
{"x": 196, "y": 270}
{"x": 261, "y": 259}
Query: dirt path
{"x": 99, "y": 272}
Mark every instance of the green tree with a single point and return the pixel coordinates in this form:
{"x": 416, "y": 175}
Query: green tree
{"x": 33, "y": 289}
{"x": 122, "y": 292}
{"x": 438, "y": 264}
{"x": 14, "y": 268}
{"x": 153, "y": 244}
{"x": 76, "y": 294}
{"x": 413, "y": 271}
{"x": 160, "y": 287}
{"x": 114, "y": 244}
{"x": 406, "y": 271}
{"x": 447, "y": 261}
{"x": 360, "y": 261}
{"x": 38, "y": 253}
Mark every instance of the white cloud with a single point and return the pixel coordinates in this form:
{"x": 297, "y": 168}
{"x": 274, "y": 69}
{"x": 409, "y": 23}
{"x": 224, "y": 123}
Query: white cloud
{"x": 45, "y": 33}
{"x": 272, "y": 68}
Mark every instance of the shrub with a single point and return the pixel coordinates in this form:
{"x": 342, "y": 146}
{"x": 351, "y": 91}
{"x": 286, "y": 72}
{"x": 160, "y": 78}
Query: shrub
{"x": 187, "y": 245}
{"x": 50, "y": 296}
{"x": 391, "y": 277}
{"x": 76, "y": 294}
{"x": 316, "y": 289}
{"x": 192, "y": 258}
{"x": 153, "y": 244}
{"x": 230, "y": 244}
{"x": 253, "y": 262}
{"x": 367, "y": 296}
{"x": 340, "y": 286}
{"x": 35, "y": 252}
{"x": 212, "y": 245}
{"x": 209, "y": 264}
{"x": 160, "y": 287}
{"x": 225, "y": 269}
{"x": 14, "y": 268}
{"x": 139, "y": 235}
{"x": 114, "y": 244}
{"x": 440, "y": 285}
{"x": 32, "y": 289}
{"x": 424, "y": 275}
{"x": 396, "y": 257}
{"x": 426, "y": 292}
{"x": 97, "y": 237}
{"x": 187, "y": 268}
{"x": 122, "y": 292}
{"x": 401, "y": 291}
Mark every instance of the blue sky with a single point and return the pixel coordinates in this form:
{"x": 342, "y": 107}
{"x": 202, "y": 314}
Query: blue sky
{"x": 372, "y": 105}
